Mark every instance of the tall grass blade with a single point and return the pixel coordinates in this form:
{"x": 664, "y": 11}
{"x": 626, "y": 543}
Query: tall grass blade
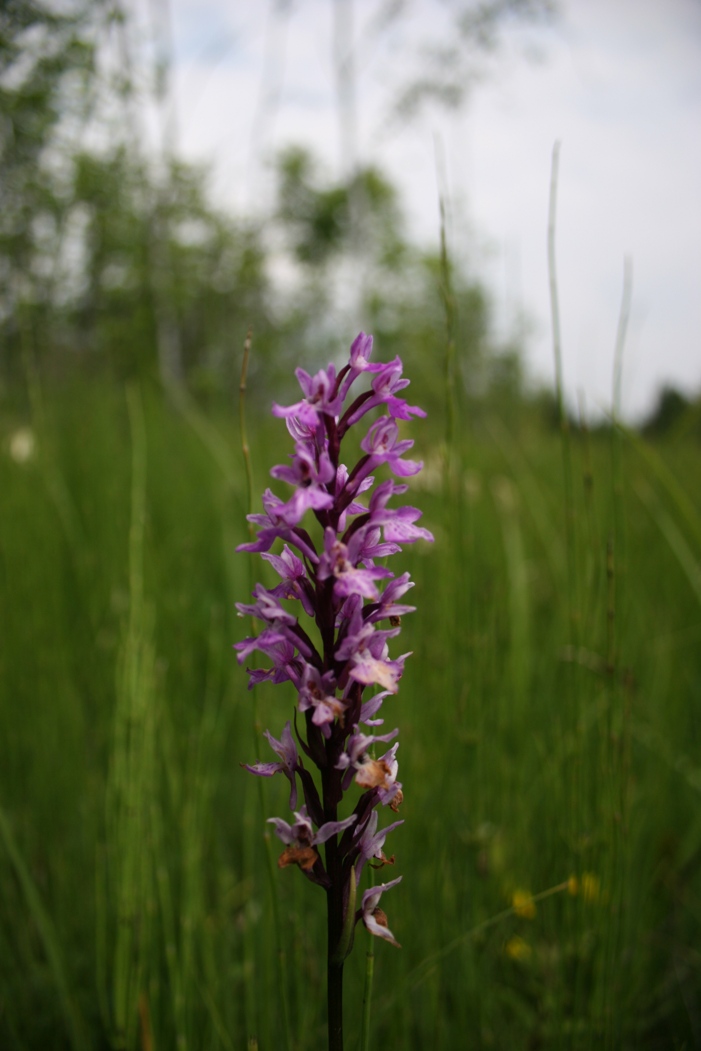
{"x": 132, "y": 782}
{"x": 49, "y": 937}
{"x": 448, "y": 297}
{"x": 623, "y": 319}
{"x": 367, "y": 998}
{"x": 689, "y": 562}
{"x": 423, "y": 971}
{"x": 269, "y": 854}
{"x": 659, "y": 469}
{"x": 560, "y": 391}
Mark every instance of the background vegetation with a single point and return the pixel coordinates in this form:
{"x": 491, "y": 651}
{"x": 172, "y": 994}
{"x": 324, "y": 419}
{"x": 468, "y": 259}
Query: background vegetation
{"x": 550, "y": 715}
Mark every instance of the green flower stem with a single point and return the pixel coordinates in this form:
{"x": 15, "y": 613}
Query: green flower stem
{"x": 367, "y": 997}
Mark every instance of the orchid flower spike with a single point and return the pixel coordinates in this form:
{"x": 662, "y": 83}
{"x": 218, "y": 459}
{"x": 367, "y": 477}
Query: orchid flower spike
{"x": 330, "y": 623}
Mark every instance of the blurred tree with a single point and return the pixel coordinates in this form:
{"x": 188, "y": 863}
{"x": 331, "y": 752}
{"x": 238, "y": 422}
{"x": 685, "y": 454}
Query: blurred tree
{"x": 107, "y": 258}
{"x": 409, "y": 319}
{"x": 215, "y": 282}
{"x": 114, "y": 258}
{"x": 400, "y": 295}
{"x": 670, "y": 410}
{"x": 336, "y": 240}
{"x": 46, "y": 64}
{"x": 447, "y": 65}
{"x": 318, "y": 219}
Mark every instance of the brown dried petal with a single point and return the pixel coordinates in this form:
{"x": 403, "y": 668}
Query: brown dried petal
{"x": 305, "y": 857}
{"x": 380, "y": 917}
{"x": 382, "y": 861}
{"x": 374, "y": 773}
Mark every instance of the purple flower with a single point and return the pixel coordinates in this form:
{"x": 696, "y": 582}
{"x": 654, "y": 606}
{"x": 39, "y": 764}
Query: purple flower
{"x": 275, "y": 526}
{"x": 307, "y": 468}
{"x": 317, "y": 692}
{"x": 269, "y": 641}
{"x": 301, "y": 840}
{"x": 371, "y": 707}
{"x": 329, "y": 622}
{"x": 383, "y": 446}
{"x": 370, "y": 773}
{"x": 310, "y": 473}
{"x": 369, "y": 546}
{"x": 360, "y": 353}
{"x": 341, "y": 562}
{"x": 320, "y": 398}
{"x": 397, "y": 522}
{"x": 372, "y": 915}
{"x": 295, "y": 582}
{"x": 306, "y": 498}
{"x": 385, "y": 386}
{"x": 267, "y": 607}
{"x": 287, "y": 750}
{"x": 373, "y": 669}
{"x": 389, "y": 790}
{"x": 282, "y": 653}
{"x": 359, "y": 362}
{"x": 371, "y": 842}
{"x": 388, "y": 607}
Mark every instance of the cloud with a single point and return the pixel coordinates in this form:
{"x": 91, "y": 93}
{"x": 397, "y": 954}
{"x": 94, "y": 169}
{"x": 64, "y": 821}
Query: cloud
{"x": 620, "y": 86}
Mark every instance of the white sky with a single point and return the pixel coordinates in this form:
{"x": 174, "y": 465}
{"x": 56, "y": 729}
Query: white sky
{"x": 618, "y": 82}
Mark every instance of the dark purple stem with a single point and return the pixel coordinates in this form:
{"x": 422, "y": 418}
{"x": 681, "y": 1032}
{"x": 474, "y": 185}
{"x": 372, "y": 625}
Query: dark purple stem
{"x": 343, "y": 424}
{"x": 331, "y": 779}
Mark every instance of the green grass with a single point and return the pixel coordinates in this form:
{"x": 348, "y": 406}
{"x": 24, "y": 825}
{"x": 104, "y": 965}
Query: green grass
{"x": 550, "y": 727}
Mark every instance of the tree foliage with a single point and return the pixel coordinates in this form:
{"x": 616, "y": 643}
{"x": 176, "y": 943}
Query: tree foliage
{"x": 116, "y": 261}
{"x": 46, "y": 65}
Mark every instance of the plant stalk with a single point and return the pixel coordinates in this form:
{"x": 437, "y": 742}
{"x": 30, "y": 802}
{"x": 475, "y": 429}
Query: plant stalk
{"x": 334, "y": 917}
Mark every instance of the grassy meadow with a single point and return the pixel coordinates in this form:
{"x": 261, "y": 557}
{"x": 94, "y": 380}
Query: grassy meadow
{"x": 550, "y": 727}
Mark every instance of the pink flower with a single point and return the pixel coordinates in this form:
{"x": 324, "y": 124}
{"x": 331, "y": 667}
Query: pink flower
{"x": 337, "y": 647}
{"x": 372, "y": 915}
{"x": 287, "y": 750}
{"x": 320, "y": 397}
{"x": 371, "y": 842}
{"x": 340, "y": 562}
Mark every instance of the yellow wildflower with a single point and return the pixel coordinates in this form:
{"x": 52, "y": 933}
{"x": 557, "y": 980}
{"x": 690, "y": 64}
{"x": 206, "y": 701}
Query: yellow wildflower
{"x": 517, "y": 948}
{"x": 523, "y": 904}
{"x": 591, "y": 887}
